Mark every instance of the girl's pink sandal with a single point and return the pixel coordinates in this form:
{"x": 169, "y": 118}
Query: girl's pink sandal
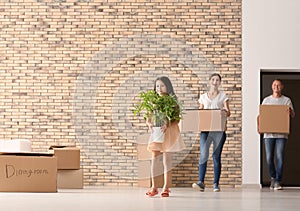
{"x": 165, "y": 193}
{"x": 152, "y": 192}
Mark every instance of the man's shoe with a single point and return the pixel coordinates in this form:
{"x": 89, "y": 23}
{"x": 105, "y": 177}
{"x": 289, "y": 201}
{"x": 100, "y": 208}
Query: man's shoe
{"x": 216, "y": 188}
{"x": 272, "y": 183}
{"x": 199, "y": 186}
{"x": 277, "y": 186}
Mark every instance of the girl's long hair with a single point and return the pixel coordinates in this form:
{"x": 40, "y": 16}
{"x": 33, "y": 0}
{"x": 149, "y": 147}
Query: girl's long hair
{"x": 167, "y": 82}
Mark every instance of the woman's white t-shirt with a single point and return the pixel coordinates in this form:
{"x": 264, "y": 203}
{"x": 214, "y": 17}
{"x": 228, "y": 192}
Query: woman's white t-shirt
{"x": 283, "y": 100}
{"x": 216, "y": 103}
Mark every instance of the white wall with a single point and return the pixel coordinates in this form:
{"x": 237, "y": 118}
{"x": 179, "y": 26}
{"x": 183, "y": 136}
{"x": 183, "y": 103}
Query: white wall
{"x": 271, "y": 33}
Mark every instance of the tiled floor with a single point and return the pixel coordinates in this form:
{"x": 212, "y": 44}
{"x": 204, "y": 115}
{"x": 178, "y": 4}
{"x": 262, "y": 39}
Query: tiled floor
{"x": 127, "y": 199}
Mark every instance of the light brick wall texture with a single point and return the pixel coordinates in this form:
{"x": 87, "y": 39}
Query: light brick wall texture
{"x": 70, "y": 72}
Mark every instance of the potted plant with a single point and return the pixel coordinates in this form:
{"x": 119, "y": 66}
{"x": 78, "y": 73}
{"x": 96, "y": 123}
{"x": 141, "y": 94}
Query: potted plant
{"x": 160, "y": 109}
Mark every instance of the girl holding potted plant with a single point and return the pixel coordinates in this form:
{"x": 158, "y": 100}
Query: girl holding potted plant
{"x": 164, "y": 112}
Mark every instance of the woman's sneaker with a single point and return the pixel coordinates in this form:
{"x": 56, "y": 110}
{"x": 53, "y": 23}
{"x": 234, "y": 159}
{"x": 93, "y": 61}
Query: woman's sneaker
{"x": 199, "y": 186}
{"x": 272, "y": 183}
{"x": 277, "y": 186}
{"x": 216, "y": 188}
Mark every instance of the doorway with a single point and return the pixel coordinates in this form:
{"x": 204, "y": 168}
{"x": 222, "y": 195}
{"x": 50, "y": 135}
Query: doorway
{"x": 291, "y": 171}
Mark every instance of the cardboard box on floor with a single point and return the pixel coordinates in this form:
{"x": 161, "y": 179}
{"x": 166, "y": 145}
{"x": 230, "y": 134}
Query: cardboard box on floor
{"x": 28, "y": 172}
{"x": 68, "y": 157}
{"x": 202, "y": 120}
{"x": 142, "y": 144}
{"x": 143, "y": 153}
{"x": 70, "y": 179}
{"x": 144, "y": 174}
{"x": 144, "y": 164}
{"x": 274, "y": 119}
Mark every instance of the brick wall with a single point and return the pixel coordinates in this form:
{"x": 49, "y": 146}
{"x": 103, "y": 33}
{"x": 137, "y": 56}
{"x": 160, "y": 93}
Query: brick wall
{"x": 71, "y": 70}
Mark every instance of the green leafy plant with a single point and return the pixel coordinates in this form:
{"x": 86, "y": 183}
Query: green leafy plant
{"x": 159, "y": 108}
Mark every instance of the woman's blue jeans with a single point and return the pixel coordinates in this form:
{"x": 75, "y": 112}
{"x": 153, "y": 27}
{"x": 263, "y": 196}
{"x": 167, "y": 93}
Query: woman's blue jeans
{"x": 270, "y": 144}
{"x": 218, "y": 139}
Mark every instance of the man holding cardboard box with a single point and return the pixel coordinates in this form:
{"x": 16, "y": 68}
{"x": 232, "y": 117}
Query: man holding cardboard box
{"x": 213, "y": 99}
{"x": 272, "y": 138}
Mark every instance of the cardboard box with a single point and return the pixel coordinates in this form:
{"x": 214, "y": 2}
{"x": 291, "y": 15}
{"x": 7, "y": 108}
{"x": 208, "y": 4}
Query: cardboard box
{"x": 212, "y": 120}
{"x": 143, "y": 138}
{"x": 144, "y": 164}
{"x": 190, "y": 121}
{"x": 274, "y": 119}
{"x": 142, "y": 144}
{"x": 203, "y": 120}
{"x": 143, "y": 153}
{"x": 67, "y": 157}
{"x": 28, "y": 172}
{"x": 144, "y": 174}
{"x": 144, "y": 183}
{"x": 16, "y": 145}
{"x": 70, "y": 179}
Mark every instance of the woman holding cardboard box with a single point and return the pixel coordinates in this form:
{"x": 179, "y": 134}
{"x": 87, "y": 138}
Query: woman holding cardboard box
{"x": 213, "y": 99}
{"x": 278, "y": 140}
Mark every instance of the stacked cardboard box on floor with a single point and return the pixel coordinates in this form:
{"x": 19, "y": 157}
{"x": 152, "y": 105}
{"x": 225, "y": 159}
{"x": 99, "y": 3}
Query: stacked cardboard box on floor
{"x": 69, "y": 173}
{"x": 144, "y": 164}
{"x": 22, "y": 170}
{"x": 28, "y": 172}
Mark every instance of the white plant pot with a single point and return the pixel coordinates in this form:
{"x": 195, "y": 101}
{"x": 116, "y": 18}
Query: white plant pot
{"x": 157, "y": 135}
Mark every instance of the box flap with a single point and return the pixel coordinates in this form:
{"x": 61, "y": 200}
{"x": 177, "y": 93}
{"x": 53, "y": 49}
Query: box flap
{"x": 60, "y": 146}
